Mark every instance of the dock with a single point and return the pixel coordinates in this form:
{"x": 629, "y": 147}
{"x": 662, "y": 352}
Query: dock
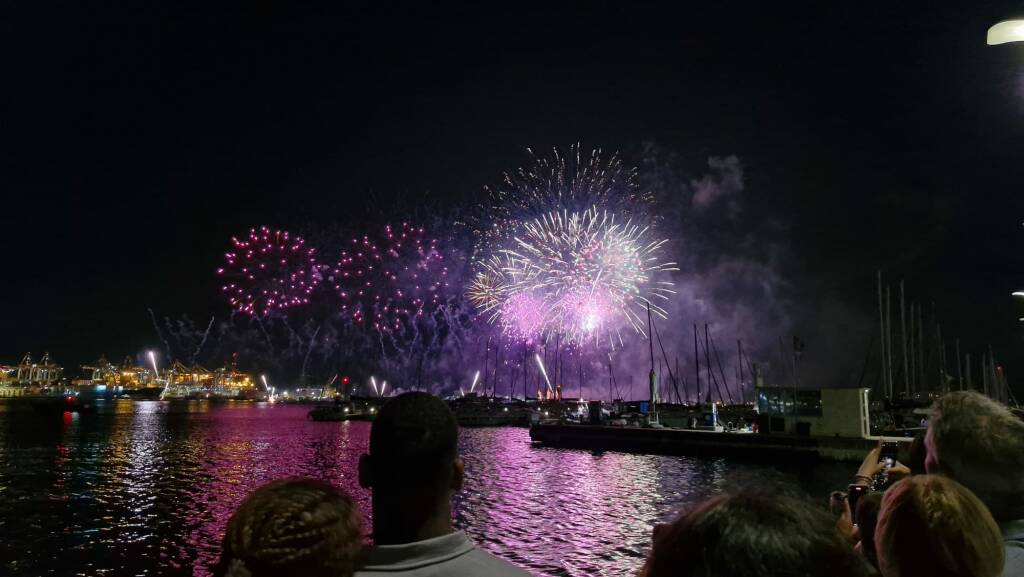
{"x": 668, "y": 441}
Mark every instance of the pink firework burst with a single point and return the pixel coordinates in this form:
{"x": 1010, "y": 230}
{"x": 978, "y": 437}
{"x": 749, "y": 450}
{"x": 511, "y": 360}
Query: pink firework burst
{"x": 385, "y": 279}
{"x": 523, "y": 315}
{"x": 585, "y": 312}
{"x": 269, "y": 270}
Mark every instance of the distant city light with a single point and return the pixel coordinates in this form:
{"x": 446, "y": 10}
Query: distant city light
{"x": 1006, "y": 31}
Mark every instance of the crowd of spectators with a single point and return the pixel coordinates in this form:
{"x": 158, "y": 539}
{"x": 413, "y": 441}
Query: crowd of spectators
{"x": 955, "y": 509}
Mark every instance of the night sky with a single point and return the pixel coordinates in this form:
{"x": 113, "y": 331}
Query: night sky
{"x": 140, "y": 136}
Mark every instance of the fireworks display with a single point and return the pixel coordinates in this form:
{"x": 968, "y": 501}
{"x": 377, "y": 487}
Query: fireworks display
{"x": 384, "y": 279}
{"x": 571, "y": 182}
{"x": 578, "y": 274}
{"x": 563, "y": 250}
{"x": 268, "y": 271}
{"x": 575, "y": 181}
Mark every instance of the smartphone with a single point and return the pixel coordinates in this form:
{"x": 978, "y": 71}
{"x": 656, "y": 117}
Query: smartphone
{"x": 855, "y": 492}
{"x": 887, "y": 454}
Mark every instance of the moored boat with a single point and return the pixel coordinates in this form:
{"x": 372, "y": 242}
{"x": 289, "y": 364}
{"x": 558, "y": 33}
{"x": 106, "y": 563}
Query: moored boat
{"x": 345, "y": 411}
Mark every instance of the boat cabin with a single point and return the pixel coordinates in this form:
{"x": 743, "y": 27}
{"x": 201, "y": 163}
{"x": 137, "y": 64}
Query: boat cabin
{"x": 814, "y": 412}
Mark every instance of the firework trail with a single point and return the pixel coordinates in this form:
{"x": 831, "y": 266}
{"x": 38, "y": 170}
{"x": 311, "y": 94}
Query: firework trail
{"x": 543, "y": 372}
{"x": 309, "y": 350}
{"x": 202, "y": 342}
{"x": 268, "y": 271}
{"x": 159, "y": 333}
{"x": 387, "y": 279}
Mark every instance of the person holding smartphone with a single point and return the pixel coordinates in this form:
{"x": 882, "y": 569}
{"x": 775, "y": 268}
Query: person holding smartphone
{"x": 879, "y": 468}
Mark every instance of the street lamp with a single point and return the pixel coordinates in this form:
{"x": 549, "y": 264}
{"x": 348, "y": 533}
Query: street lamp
{"x": 1018, "y": 293}
{"x": 1006, "y": 31}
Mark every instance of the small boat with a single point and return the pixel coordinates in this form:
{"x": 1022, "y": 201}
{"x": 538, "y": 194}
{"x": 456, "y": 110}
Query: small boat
{"x": 472, "y": 410}
{"x": 344, "y": 412}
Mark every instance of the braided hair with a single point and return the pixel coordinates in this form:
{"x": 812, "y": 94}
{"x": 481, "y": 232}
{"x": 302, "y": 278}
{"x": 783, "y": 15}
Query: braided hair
{"x": 292, "y": 526}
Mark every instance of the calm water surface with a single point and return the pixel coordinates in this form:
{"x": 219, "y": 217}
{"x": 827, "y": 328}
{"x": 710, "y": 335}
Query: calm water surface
{"x": 145, "y": 488}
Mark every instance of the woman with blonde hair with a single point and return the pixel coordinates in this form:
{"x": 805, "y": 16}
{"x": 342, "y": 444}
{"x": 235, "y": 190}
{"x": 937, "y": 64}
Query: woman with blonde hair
{"x": 292, "y": 527}
{"x": 930, "y": 525}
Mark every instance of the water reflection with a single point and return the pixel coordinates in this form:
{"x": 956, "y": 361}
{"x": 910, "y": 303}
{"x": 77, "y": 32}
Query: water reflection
{"x": 146, "y": 488}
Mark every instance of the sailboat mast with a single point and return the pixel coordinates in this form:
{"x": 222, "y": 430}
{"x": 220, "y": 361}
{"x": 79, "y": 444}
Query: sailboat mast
{"x": 696, "y": 362}
{"x": 651, "y": 377}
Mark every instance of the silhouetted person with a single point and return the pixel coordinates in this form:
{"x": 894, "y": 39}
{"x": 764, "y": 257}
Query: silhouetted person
{"x": 932, "y": 526}
{"x": 980, "y": 443}
{"x": 292, "y": 527}
{"x": 412, "y": 469}
{"x": 753, "y": 532}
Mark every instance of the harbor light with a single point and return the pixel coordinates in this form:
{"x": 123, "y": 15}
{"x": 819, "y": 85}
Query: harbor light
{"x": 1006, "y": 31}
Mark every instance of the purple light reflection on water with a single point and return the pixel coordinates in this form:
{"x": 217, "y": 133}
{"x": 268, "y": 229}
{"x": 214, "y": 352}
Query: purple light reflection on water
{"x": 145, "y": 488}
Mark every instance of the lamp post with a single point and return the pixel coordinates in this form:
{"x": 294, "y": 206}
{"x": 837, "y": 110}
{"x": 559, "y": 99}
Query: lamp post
{"x": 1006, "y": 31}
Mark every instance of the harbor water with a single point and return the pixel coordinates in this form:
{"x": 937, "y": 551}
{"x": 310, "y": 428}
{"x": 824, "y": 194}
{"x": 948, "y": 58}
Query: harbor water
{"x": 146, "y": 487}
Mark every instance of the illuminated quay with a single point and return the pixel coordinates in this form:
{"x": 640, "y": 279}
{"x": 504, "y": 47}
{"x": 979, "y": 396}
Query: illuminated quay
{"x": 102, "y": 378}
{"x": 29, "y": 377}
{"x": 197, "y": 382}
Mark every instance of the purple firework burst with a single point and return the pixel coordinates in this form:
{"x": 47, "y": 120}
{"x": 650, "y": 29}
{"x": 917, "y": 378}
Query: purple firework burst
{"x": 268, "y": 271}
{"x": 386, "y": 279}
